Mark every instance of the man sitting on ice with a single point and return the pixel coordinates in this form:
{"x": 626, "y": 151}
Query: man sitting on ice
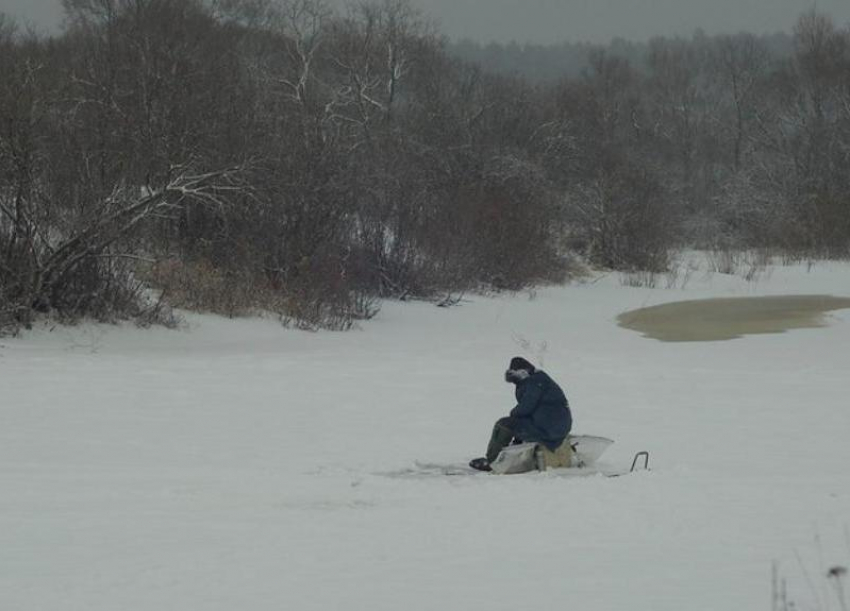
{"x": 542, "y": 413}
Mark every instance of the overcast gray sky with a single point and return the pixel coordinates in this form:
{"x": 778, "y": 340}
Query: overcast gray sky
{"x": 547, "y": 21}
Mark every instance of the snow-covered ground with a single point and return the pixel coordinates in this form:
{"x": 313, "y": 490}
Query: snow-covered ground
{"x": 238, "y": 465}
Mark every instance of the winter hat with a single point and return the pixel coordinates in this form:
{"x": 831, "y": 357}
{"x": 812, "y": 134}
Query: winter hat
{"x": 520, "y": 363}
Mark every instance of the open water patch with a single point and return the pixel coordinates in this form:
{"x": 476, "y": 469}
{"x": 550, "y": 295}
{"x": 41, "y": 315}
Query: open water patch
{"x": 720, "y": 319}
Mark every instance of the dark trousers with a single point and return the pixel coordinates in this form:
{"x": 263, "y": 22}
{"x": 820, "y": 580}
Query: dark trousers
{"x": 503, "y": 434}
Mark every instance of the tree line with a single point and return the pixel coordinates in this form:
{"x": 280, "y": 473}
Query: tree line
{"x": 243, "y": 155}
{"x": 556, "y": 61}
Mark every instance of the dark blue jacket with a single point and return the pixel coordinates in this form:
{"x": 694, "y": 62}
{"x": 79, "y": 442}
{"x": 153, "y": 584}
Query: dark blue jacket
{"x": 542, "y": 413}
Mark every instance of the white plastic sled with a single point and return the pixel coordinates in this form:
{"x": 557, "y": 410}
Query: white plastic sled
{"x": 583, "y": 451}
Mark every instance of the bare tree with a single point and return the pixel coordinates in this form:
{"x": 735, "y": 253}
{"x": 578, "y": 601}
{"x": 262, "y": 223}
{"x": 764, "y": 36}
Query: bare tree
{"x": 741, "y": 62}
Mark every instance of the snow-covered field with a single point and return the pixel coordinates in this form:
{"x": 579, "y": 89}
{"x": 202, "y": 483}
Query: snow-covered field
{"x": 235, "y": 465}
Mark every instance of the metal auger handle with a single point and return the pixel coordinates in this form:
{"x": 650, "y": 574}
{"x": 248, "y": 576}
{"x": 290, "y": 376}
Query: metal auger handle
{"x": 645, "y": 456}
